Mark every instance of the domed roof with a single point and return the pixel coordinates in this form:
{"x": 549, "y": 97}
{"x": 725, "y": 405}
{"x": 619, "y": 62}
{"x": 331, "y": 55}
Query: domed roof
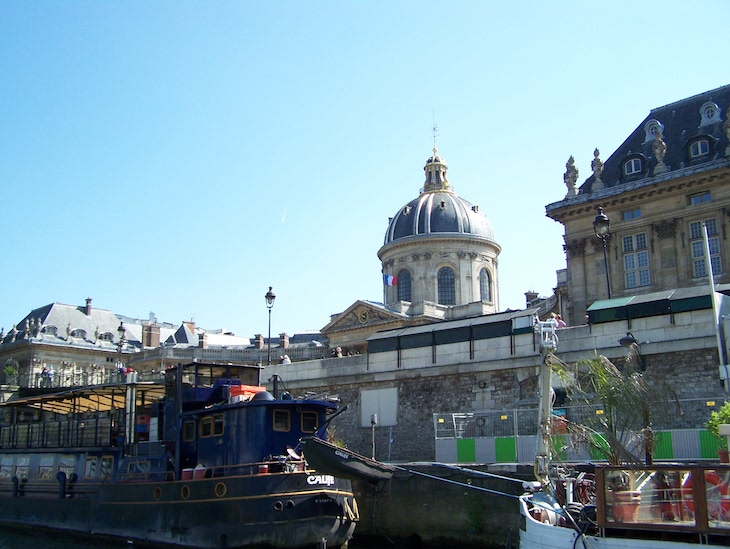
{"x": 438, "y": 210}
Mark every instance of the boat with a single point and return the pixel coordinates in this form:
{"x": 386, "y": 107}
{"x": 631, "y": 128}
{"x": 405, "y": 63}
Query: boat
{"x": 203, "y": 458}
{"x": 629, "y": 505}
{"x": 343, "y": 463}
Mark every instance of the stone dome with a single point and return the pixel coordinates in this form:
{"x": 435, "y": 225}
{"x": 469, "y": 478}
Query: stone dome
{"x": 438, "y": 210}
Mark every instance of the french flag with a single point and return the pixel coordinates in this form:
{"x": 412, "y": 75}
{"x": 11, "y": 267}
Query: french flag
{"x": 389, "y": 280}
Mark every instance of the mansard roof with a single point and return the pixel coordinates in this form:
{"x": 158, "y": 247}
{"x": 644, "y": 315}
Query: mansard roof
{"x": 677, "y": 125}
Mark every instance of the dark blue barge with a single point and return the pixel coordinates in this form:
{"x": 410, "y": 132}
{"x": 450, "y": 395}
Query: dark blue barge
{"x": 203, "y": 459}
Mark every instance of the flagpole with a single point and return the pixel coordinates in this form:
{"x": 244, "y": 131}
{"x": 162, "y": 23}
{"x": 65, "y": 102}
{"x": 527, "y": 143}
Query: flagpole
{"x": 715, "y": 314}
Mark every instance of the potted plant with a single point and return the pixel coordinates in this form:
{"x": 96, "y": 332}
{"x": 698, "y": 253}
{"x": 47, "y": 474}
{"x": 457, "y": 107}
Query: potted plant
{"x": 717, "y": 418}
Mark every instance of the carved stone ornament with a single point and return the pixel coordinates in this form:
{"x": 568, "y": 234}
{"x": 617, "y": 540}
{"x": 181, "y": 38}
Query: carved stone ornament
{"x": 660, "y": 149}
{"x": 598, "y": 243}
{"x": 575, "y": 248}
{"x": 362, "y": 317}
{"x": 666, "y": 229}
{"x": 726, "y": 129}
{"x": 597, "y": 167}
{"x": 570, "y": 177}
{"x": 416, "y": 257}
{"x": 461, "y": 254}
{"x": 427, "y": 255}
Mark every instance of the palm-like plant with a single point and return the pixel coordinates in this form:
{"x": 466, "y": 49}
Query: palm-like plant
{"x": 628, "y": 401}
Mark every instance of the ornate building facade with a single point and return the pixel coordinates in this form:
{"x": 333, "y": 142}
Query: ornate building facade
{"x": 668, "y": 181}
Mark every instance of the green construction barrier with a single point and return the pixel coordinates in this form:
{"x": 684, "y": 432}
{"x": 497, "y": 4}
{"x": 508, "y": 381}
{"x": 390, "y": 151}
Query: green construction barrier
{"x": 505, "y": 449}
{"x": 466, "y": 450}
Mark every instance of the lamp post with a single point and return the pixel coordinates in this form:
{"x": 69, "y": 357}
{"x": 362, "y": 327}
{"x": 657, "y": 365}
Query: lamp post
{"x": 270, "y": 297}
{"x": 122, "y": 330}
{"x": 601, "y": 226}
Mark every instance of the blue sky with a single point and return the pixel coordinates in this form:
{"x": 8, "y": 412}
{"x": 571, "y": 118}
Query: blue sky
{"x": 180, "y": 157}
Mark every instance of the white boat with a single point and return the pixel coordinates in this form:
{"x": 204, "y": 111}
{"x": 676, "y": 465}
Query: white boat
{"x": 661, "y": 509}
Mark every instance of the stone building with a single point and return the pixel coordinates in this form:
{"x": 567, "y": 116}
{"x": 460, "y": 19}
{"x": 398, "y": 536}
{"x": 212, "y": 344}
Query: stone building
{"x": 668, "y": 180}
{"x": 59, "y": 345}
{"x": 439, "y": 262}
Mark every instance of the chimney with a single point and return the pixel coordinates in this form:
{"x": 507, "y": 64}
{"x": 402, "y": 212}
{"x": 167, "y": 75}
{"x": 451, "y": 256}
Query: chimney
{"x": 88, "y": 306}
{"x": 151, "y": 335}
{"x": 284, "y": 341}
{"x": 203, "y": 340}
{"x": 258, "y": 341}
{"x": 530, "y": 297}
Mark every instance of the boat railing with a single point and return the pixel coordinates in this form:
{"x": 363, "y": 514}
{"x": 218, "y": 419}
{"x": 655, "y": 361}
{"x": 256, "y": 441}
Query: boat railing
{"x": 282, "y": 465}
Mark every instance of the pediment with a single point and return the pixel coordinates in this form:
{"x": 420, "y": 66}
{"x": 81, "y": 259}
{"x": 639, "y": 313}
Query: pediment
{"x": 362, "y": 315}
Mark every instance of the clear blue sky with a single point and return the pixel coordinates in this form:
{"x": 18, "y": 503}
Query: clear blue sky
{"x": 181, "y": 157}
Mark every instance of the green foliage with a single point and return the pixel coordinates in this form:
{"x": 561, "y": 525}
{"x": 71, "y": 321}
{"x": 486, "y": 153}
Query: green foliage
{"x": 622, "y": 431}
{"x": 717, "y": 418}
{"x": 10, "y": 370}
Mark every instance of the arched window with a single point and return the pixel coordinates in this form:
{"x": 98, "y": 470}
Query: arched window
{"x": 485, "y": 285}
{"x": 446, "y": 286}
{"x": 404, "y": 285}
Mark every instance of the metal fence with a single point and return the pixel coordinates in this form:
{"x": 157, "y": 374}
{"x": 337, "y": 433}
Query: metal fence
{"x": 683, "y": 414}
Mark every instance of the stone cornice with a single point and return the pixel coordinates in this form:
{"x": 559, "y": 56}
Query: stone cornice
{"x": 669, "y": 184}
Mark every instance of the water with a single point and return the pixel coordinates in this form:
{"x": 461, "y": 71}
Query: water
{"x": 31, "y": 540}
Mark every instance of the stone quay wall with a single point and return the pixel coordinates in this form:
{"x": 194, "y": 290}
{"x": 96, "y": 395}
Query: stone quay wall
{"x": 499, "y": 374}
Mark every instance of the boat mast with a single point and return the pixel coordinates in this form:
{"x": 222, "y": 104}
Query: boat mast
{"x": 548, "y": 345}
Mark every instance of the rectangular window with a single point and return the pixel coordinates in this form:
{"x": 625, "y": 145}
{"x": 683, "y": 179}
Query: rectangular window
{"x": 309, "y": 422}
{"x": 21, "y": 466}
{"x": 701, "y": 198}
{"x": 107, "y": 465}
{"x": 66, "y": 464}
{"x": 697, "y": 245}
{"x": 189, "y": 431}
{"x": 45, "y": 468}
{"x": 632, "y": 166}
{"x": 636, "y": 260}
{"x": 631, "y": 214}
{"x": 91, "y": 467}
{"x": 206, "y": 427}
{"x": 699, "y": 148}
{"x": 218, "y": 425}
{"x": 6, "y": 467}
{"x": 282, "y": 421}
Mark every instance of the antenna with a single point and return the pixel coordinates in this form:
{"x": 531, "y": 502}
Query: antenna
{"x": 434, "y": 129}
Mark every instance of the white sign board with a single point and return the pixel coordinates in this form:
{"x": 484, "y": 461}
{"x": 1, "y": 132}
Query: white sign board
{"x": 382, "y": 403}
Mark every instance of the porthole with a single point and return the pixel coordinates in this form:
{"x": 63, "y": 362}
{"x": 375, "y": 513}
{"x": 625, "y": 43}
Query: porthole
{"x": 220, "y": 489}
{"x": 157, "y": 493}
{"x": 185, "y": 492}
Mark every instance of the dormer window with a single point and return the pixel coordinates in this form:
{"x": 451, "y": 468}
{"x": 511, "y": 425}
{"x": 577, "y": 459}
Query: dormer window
{"x": 709, "y": 114}
{"x": 699, "y": 148}
{"x": 50, "y": 330}
{"x": 79, "y": 333}
{"x": 632, "y": 166}
{"x": 651, "y": 129}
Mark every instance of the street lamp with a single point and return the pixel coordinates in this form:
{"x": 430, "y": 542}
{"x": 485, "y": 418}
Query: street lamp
{"x": 629, "y": 341}
{"x": 601, "y": 226}
{"x": 122, "y": 330}
{"x": 270, "y": 297}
